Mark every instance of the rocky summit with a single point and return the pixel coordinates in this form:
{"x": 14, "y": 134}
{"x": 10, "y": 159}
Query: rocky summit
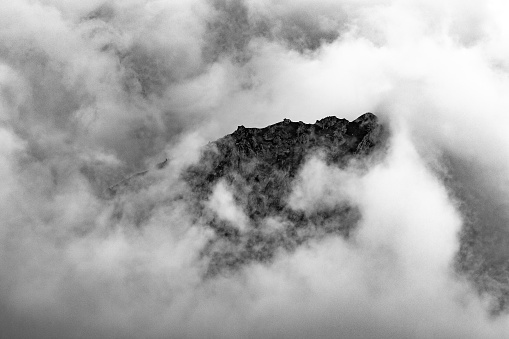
{"x": 240, "y": 186}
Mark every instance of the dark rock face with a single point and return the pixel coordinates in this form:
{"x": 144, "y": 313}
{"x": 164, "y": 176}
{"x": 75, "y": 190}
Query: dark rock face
{"x": 259, "y": 166}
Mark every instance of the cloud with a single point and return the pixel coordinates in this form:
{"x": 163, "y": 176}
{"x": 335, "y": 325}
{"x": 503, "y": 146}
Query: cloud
{"x": 91, "y": 93}
{"x": 223, "y": 204}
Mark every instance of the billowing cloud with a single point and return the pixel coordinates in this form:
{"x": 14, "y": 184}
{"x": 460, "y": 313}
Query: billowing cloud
{"x": 94, "y": 92}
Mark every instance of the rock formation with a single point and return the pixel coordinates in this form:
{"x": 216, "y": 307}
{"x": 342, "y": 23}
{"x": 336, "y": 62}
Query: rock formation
{"x": 255, "y": 169}
{"x": 241, "y": 185}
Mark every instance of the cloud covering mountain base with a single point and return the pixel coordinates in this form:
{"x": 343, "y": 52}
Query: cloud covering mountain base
{"x": 91, "y": 92}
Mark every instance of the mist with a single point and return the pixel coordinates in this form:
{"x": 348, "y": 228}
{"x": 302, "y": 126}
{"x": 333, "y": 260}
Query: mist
{"x": 93, "y": 92}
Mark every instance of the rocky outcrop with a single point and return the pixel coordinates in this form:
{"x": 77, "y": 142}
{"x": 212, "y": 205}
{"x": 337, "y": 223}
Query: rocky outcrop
{"x": 255, "y": 169}
{"x": 241, "y": 185}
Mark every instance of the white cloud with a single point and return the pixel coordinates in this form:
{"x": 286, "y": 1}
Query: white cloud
{"x": 223, "y": 204}
{"x": 93, "y": 91}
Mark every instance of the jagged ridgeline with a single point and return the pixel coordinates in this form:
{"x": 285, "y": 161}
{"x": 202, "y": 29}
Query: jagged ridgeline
{"x": 257, "y": 168}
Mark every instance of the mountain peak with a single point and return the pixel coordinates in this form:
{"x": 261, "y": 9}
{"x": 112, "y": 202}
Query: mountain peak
{"x": 255, "y": 169}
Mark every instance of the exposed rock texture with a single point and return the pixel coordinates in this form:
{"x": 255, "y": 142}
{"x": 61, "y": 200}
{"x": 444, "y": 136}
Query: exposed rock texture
{"x": 240, "y": 188}
{"x": 253, "y": 171}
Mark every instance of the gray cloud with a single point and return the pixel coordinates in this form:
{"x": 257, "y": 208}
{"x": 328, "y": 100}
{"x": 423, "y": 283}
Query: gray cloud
{"x": 92, "y": 92}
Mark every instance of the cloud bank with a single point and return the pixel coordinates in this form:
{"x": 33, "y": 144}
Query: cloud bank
{"x": 92, "y": 92}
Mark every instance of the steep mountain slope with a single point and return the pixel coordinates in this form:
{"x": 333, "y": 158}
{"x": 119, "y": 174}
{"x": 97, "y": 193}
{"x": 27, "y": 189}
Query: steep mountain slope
{"x": 241, "y": 185}
{"x": 241, "y": 189}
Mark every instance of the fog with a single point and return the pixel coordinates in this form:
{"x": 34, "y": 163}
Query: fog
{"x": 92, "y": 92}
